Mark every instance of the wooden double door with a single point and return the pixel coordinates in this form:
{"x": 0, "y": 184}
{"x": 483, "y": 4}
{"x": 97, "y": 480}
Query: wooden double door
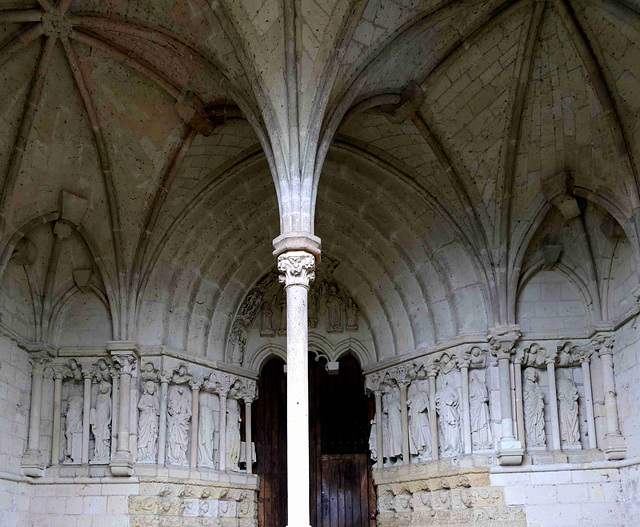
{"x": 340, "y": 471}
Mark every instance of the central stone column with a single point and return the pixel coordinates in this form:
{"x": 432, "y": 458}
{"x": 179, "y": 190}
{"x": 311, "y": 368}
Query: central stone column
{"x": 296, "y": 256}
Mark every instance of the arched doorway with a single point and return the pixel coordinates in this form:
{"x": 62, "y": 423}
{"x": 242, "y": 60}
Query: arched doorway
{"x": 339, "y": 416}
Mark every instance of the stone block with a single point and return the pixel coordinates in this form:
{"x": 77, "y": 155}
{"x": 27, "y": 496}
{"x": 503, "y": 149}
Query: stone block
{"x": 551, "y": 478}
{"x": 575, "y": 493}
{"x": 95, "y": 505}
{"x": 543, "y": 494}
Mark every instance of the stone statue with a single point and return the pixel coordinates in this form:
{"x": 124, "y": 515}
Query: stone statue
{"x": 334, "y": 310}
{"x": 477, "y": 358}
{"x": 233, "y": 434}
{"x": 533, "y": 405}
{"x": 179, "y": 415}
{"x": 352, "y": 315}
{"x": 373, "y": 440}
{"x": 250, "y": 307}
{"x": 206, "y": 431}
{"x": 182, "y": 374}
{"x": 74, "y": 370}
{"x": 392, "y": 407}
{"x": 282, "y": 329}
{"x": 266, "y": 321}
{"x": 447, "y": 404}
{"x": 481, "y": 436}
{"x": 73, "y": 427}
{"x": 148, "y": 417}
{"x": 100, "y": 420}
{"x": 237, "y": 342}
{"x": 568, "y": 410}
{"x": 313, "y": 307}
{"x": 419, "y": 430}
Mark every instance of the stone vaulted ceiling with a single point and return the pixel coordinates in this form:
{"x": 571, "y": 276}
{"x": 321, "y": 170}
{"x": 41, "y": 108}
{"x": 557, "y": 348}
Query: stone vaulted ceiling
{"x": 424, "y": 151}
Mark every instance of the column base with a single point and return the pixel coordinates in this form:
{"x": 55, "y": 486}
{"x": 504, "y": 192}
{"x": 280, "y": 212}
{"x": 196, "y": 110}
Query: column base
{"x": 33, "y": 464}
{"x": 510, "y": 452}
{"x": 614, "y": 447}
{"x": 122, "y": 464}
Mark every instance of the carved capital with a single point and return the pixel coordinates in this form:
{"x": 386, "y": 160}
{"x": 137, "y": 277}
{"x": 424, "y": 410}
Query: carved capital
{"x": 297, "y": 268}
{"x": 502, "y": 341}
{"x": 165, "y": 377}
{"x": 125, "y": 364}
{"x": 249, "y": 391}
{"x": 372, "y": 383}
{"x": 195, "y": 383}
{"x": 38, "y": 363}
{"x": 603, "y": 344}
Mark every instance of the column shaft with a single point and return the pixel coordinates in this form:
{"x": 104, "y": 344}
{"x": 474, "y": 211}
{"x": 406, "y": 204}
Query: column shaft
{"x": 297, "y": 407}
{"x": 85, "y": 419}
{"x": 222, "y": 433}
{"x": 195, "y": 406}
{"x": 433, "y": 418}
{"x": 553, "y": 404}
{"x": 57, "y": 410}
{"x": 115, "y": 398}
{"x": 466, "y": 417}
{"x": 609, "y": 384}
{"x": 123, "y": 418}
{"x": 162, "y": 428}
{"x": 405, "y": 424}
{"x": 379, "y": 433}
{"x": 588, "y": 396}
{"x": 519, "y": 403}
{"x": 505, "y": 399}
{"x": 247, "y": 436}
{"x": 33, "y": 443}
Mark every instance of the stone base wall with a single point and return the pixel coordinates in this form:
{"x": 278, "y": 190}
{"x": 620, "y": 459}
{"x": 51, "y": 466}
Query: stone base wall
{"x": 599, "y": 494}
{"x": 127, "y": 502}
{"x": 421, "y": 495}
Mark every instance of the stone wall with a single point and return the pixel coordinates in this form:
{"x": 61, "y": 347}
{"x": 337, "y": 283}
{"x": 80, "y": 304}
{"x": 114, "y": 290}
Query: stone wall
{"x": 131, "y": 502}
{"x": 568, "y": 496}
{"x": 15, "y": 386}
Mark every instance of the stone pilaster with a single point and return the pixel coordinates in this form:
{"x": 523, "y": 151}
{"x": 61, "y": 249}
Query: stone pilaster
{"x": 614, "y": 444}
{"x": 502, "y": 341}
{"x": 125, "y": 355}
{"x": 33, "y": 463}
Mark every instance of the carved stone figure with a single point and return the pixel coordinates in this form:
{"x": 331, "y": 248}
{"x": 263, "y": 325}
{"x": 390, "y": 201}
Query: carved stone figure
{"x": 206, "y": 431}
{"x": 266, "y": 321}
{"x": 282, "y": 328}
{"x": 419, "y": 431}
{"x": 313, "y": 307}
{"x": 149, "y": 372}
{"x": 179, "y": 415}
{"x": 237, "y": 342}
{"x": 477, "y": 358}
{"x": 182, "y": 375}
{"x": 73, "y": 427}
{"x": 149, "y": 412}
{"x": 100, "y": 420}
{"x": 533, "y": 405}
{"x": 568, "y": 410}
{"x": 481, "y": 436}
{"x": 373, "y": 440}
{"x": 74, "y": 370}
{"x": 448, "y": 404}
{"x": 233, "y": 434}
{"x": 392, "y": 407}
{"x": 250, "y": 307}
{"x": 334, "y": 310}
{"x": 352, "y": 315}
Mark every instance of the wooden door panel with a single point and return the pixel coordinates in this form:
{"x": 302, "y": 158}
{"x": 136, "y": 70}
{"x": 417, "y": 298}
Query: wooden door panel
{"x": 345, "y": 496}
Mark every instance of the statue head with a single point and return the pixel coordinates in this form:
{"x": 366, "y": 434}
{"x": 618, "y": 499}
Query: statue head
{"x": 105, "y": 387}
{"x": 150, "y": 387}
{"x": 531, "y": 375}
